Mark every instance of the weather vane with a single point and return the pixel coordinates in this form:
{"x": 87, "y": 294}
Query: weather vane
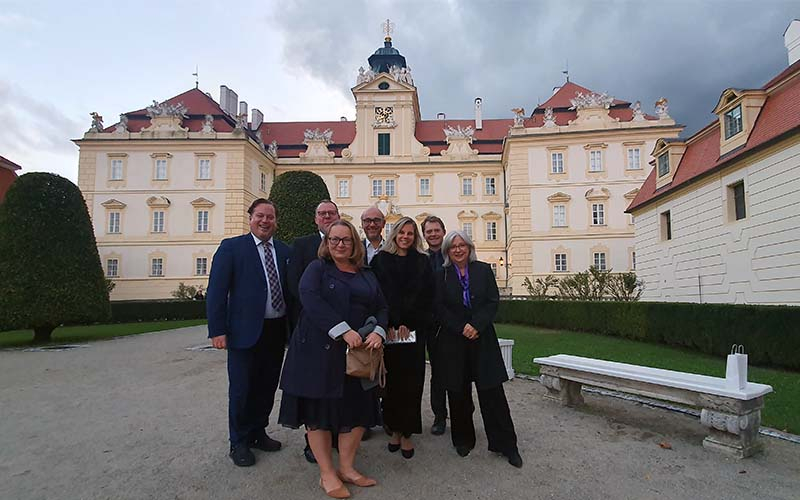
{"x": 388, "y": 28}
{"x": 196, "y": 76}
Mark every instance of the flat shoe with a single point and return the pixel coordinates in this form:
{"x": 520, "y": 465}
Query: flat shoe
{"x": 340, "y": 492}
{"x": 407, "y": 453}
{"x": 393, "y": 447}
{"x": 463, "y": 451}
{"x": 362, "y": 481}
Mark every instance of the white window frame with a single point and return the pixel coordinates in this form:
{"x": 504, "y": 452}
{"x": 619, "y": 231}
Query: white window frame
{"x": 157, "y": 266}
{"x": 389, "y": 187}
{"x": 263, "y": 185}
{"x": 204, "y": 169}
{"x": 161, "y": 169}
{"x": 662, "y": 161}
{"x": 201, "y": 266}
{"x": 377, "y": 187}
{"x": 596, "y": 160}
{"x": 634, "y": 159}
{"x": 734, "y": 122}
{"x": 158, "y": 221}
{"x": 117, "y": 169}
{"x": 491, "y": 230}
{"x": 202, "y": 221}
{"x": 343, "y": 187}
{"x": 557, "y": 162}
{"x": 600, "y": 261}
{"x": 425, "y": 186}
{"x": 561, "y": 266}
{"x": 598, "y": 214}
{"x": 466, "y": 186}
{"x": 114, "y": 222}
{"x": 559, "y": 215}
{"x": 490, "y": 186}
{"x": 112, "y": 268}
{"x": 467, "y": 228}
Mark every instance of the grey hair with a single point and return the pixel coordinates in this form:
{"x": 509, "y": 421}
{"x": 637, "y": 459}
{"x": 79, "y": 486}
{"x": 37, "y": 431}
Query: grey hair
{"x": 390, "y": 245}
{"x": 448, "y": 242}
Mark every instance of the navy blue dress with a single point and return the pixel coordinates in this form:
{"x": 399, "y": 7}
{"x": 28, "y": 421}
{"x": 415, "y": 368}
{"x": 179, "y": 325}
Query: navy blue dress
{"x": 356, "y": 407}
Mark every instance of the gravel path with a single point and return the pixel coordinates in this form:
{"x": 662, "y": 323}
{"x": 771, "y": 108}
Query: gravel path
{"x": 144, "y": 417}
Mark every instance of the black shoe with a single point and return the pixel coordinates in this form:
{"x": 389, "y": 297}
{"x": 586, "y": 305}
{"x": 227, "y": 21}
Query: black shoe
{"x": 367, "y": 434}
{"x": 407, "y": 453}
{"x": 265, "y": 443}
{"x": 393, "y": 447}
{"x": 463, "y": 451}
{"x": 515, "y": 459}
{"x": 241, "y": 455}
{"x": 309, "y": 455}
{"x": 438, "y": 427}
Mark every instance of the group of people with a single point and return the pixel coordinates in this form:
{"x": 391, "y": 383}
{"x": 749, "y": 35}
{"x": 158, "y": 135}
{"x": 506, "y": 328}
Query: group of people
{"x": 331, "y": 292}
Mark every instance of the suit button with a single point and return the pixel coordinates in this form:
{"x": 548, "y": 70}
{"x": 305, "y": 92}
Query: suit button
{"x": 327, "y": 346}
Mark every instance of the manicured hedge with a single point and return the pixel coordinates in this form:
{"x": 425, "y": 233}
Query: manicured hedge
{"x": 131, "y": 311}
{"x": 770, "y": 334}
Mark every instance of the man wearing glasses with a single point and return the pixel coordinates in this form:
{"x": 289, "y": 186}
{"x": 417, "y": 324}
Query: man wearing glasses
{"x": 372, "y": 222}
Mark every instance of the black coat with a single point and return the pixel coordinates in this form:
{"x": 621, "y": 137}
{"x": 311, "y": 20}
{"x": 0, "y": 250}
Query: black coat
{"x": 407, "y": 284}
{"x": 303, "y": 252}
{"x": 464, "y": 360}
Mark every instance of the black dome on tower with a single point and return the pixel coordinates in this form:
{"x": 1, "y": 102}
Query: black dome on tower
{"x": 385, "y": 57}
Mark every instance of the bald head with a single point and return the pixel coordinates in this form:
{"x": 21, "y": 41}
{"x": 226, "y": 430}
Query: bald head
{"x": 372, "y": 221}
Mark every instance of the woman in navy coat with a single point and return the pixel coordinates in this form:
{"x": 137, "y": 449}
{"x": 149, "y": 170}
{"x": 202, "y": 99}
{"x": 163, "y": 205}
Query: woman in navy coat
{"x": 338, "y": 297}
{"x": 466, "y": 304}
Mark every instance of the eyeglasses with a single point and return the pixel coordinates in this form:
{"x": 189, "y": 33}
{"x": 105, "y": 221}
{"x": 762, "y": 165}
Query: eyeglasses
{"x": 336, "y": 240}
{"x": 329, "y": 213}
{"x": 367, "y": 222}
{"x": 460, "y": 246}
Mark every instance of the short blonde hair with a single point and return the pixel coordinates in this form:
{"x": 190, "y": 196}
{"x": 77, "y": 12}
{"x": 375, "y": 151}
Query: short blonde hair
{"x": 356, "y": 256}
{"x": 390, "y": 246}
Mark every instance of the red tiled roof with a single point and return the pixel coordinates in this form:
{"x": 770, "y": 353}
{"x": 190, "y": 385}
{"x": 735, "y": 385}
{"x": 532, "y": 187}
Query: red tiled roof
{"x": 780, "y": 114}
{"x": 568, "y": 91}
{"x": 10, "y": 165}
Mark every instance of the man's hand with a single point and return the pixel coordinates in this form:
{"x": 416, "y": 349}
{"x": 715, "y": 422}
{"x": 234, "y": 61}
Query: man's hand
{"x": 391, "y": 334}
{"x": 219, "y": 342}
{"x": 373, "y": 341}
{"x": 470, "y": 332}
{"x": 352, "y": 338}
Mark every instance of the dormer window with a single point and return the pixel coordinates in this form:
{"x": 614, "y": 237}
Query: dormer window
{"x": 663, "y": 164}
{"x": 733, "y": 122}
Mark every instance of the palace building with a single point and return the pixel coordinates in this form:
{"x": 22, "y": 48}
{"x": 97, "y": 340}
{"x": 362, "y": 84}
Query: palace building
{"x": 541, "y": 193}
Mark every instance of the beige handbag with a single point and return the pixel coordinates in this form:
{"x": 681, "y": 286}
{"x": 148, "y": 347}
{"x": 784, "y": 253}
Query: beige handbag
{"x": 366, "y": 364}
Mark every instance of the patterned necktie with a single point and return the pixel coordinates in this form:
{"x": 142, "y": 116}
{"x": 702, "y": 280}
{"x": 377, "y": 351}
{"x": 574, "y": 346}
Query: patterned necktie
{"x": 272, "y": 275}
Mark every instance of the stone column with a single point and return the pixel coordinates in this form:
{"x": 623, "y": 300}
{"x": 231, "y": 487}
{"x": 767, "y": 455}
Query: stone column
{"x": 566, "y": 392}
{"x": 733, "y": 425}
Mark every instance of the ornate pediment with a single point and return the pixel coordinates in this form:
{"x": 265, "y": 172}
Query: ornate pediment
{"x": 166, "y": 119}
{"x": 421, "y": 217}
{"x": 113, "y": 204}
{"x": 459, "y": 140}
{"x": 202, "y": 203}
{"x": 595, "y": 194}
{"x": 491, "y": 216}
{"x": 158, "y": 202}
{"x": 591, "y": 100}
{"x": 467, "y": 215}
{"x": 559, "y": 197}
{"x": 383, "y": 82}
{"x": 317, "y": 142}
{"x": 631, "y": 194}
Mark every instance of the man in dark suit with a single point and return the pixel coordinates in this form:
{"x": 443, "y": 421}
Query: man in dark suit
{"x": 304, "y": 252}
{"x": 246, "y": 305}
{"x": 433, "y": 231}
{"x": 372, "y": 222}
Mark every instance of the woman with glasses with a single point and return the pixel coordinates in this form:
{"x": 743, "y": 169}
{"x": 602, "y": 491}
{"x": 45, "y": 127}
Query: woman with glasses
{"x": 406, "y": 279}
{"x": 466, "y": 304}
{"x": 339, "y": 298}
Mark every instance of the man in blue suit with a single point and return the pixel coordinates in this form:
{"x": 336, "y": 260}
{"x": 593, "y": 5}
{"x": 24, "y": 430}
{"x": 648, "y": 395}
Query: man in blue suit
{"x": 246, "y": 305}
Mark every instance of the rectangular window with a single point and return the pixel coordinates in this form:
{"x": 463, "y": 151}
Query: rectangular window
{"x": 561, "y": 262}
{"x": 663, "y": 165}
{"x": 595, "y": 161}
{"x": 491, "y": 231}
{"x": 157, "y": 267}
{"x": 598, "y": 214}
{"x": 633, "y": 159}
{"x": 557, "y": 163}
{"x": 263, "y": 182}
{"x": 161, "y": 170}
{"x": 666, "y": 226}
{"x": 202, "y": 221}
{"x": 112, "y": 268}
{"x": 733, "y": 122}
{"x": 158, "y": 221}
{"x": 204, "y": 169}
{"x": 384, "y": 145}
{"x": 113, "y": 222}
{"x": 467, "y": 228}
{"x": 559, "y": 216}
{"x": 600, "y": 260}
{"x": 389, "y": 187}
{"x": 201, "y": 266}
{"x": 493, "y": 265}
{"x": 491, "y": 187}
{"x": 633, "y": 260}
{"x": 377, "y": 187}
{"x": 116, "y": 170}
{"x": 424, "y": 187}
{"x": 344, "y": 188}
{"x": 740, "y": 212}
{"x": 466, "y": 186}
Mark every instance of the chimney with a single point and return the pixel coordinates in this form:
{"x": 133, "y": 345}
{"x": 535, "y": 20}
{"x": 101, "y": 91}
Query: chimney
{"x": 343, "y": 119}
{"x": 243, "y": 109}
{"x": 791, "y": 39}
{"x": 223, "y": 97}
{"x": 257, "y": 119}
{"x": 441, "y": 116}
{"x": 478, "y": 115}
{"x": 233, "y": 100}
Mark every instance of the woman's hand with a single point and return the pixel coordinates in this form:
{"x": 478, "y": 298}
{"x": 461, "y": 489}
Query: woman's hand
{"x": 391, "y": 334}
{"x": 352, "y": 338}
{"x": 373, "y": 341}
{"x": 403, "y": 332}
{"x": 470, "y": 332}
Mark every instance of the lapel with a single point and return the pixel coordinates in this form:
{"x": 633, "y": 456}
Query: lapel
{"x": 253, "y": 256}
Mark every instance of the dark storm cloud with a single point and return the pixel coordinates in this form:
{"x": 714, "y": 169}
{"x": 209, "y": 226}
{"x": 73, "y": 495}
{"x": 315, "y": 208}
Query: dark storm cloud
{"x": 512, "y": 53}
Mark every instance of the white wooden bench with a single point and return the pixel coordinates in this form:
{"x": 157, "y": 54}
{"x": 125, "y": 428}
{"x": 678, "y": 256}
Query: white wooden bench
{"x": 733, "y": 415}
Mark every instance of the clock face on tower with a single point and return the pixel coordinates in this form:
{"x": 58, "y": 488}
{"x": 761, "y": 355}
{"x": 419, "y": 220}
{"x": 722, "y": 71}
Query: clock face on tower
{"x": 384, "y": 114}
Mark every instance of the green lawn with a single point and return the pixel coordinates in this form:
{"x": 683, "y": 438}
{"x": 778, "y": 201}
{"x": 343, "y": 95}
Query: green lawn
{"x": 781, "y": 408}
{"x": 75, "y": 334}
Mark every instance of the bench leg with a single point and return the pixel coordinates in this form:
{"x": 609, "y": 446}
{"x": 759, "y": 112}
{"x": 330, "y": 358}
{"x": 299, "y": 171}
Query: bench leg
{"x": 566, "y": 392}
{"x": 733, "y": 425}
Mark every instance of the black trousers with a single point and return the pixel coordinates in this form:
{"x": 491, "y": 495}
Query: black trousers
{"x": 496, "y": 419}
{"x": 253, "y": 375}
{"x": 438, "y": 393}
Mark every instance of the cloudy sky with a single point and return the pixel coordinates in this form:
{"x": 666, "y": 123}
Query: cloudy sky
{"x": 296, "y": 60}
